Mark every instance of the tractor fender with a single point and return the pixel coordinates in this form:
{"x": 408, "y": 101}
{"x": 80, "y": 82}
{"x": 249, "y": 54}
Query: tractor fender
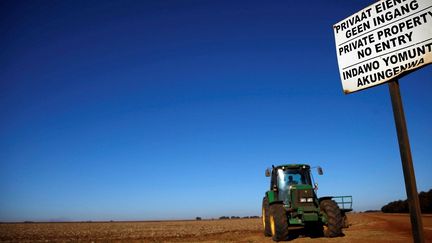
{"x": 324, "y": 198}
{"x": 272, "y": 197}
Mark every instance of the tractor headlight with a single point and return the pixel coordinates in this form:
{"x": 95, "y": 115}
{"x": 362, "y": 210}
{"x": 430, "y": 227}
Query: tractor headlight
{"x": 304, "y": 199}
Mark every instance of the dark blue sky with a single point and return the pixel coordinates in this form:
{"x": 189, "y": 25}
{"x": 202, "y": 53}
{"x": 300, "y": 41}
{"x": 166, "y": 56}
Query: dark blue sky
{"x": 173, "y": 109}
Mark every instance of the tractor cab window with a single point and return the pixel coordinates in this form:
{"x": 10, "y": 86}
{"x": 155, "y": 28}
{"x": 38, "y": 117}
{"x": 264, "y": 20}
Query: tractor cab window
{"x": 293, "y": 177}
{"x": 289, "y": 177}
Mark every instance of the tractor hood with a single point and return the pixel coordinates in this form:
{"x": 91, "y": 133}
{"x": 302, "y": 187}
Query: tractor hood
{"x": 300, "y": 187}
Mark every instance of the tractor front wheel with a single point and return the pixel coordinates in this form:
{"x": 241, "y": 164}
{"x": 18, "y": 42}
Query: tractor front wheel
{"x": 266, "y": 217}
{"x": 278, "y": 222}
{"x": 333, "y": 225}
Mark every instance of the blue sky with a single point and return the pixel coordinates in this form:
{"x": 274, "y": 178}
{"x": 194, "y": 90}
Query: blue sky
{"x": 130, "y": 110}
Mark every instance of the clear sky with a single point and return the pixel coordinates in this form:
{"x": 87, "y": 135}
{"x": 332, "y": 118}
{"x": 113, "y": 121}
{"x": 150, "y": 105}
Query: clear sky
{"x": 129, "y": 110}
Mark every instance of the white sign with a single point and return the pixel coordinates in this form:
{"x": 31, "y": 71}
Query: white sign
{"x": 383, "y": 41}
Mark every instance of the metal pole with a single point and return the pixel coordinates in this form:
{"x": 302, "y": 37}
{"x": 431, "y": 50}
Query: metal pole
{"x": 407, "y": 164}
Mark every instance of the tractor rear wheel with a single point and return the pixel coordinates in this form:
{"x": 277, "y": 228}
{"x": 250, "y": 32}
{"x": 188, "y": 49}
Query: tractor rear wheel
{"x": 266, "y": 217}
{"x": 333, "y": 226}
{"x": 278, "y": 222}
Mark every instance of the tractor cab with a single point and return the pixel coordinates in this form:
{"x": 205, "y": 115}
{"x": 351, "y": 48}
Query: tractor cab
{"x": 286, "y": 179}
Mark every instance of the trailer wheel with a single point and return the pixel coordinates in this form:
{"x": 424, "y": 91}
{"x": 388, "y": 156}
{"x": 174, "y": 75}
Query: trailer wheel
{"x": 278, "y": 222}
{"x": 266, "y": 217}
{"x": 345, "y": 223}
{"x": 333, "y": 225}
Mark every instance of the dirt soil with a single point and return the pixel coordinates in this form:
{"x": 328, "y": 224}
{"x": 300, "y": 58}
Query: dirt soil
{"x": 365, "y": 227}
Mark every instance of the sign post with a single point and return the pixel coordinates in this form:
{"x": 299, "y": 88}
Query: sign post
{"x": 379, "y": 44}
{"x": 407, "y": 164}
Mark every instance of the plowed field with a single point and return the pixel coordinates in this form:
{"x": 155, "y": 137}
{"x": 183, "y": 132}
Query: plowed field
{"x": 365, "y": 227}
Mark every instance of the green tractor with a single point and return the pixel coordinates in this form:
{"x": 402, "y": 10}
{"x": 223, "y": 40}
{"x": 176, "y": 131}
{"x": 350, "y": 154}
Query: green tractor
{"x": 292, "y": 202}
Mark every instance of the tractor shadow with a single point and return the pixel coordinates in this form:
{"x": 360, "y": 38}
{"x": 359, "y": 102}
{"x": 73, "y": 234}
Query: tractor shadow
{"x": 306, "y": 233}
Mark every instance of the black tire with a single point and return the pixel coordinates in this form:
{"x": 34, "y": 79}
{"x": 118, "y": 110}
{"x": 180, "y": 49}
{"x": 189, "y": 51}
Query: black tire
{"x": 333, "y": 227}
{"x": 266, "y": 217}
{"x": 278, "y": 222}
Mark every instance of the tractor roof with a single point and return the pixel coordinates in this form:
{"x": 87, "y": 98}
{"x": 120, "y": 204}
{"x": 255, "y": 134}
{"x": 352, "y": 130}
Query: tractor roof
{"x": 294, "y": 166}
